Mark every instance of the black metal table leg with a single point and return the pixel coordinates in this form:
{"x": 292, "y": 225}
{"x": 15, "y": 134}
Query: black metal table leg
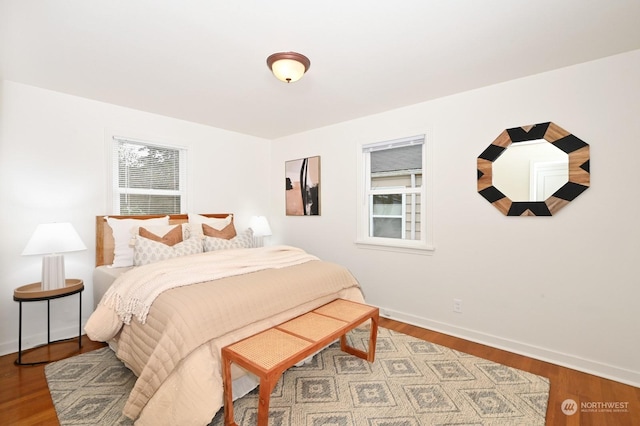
{"x": 80, "y": 322}
{"x": 20, "y": 334}
{"x": 48, "y": 321}
{"x": 34, "y": 293}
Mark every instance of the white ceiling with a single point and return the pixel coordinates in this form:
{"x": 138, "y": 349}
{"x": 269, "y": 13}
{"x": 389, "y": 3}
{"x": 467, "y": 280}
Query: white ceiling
{"x": 205, "y": 60}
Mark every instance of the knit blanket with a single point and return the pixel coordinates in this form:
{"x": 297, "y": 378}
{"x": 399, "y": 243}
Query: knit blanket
{"x": 133, "y": 293}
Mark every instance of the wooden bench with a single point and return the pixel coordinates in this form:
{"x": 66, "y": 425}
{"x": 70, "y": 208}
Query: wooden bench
{"x": 269, "y": 353}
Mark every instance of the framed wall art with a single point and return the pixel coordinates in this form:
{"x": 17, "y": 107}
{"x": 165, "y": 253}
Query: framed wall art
{"x": 302, "y": 187}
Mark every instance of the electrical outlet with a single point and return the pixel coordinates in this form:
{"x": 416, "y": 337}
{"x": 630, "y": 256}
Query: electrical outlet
{"x": 457, "y": 306}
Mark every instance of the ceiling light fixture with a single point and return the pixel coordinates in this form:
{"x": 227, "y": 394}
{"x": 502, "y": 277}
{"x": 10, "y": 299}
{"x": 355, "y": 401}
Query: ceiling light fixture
{"x": 288, "y": 66}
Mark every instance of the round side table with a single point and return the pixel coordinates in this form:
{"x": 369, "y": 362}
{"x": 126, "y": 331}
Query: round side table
{"x": 34, "y": 293}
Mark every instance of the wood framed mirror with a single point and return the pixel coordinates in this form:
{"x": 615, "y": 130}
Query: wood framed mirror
{"x": 553, "y": 176}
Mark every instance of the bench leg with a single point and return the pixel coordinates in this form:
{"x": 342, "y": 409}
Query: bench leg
{"x": 373, "y": 337}
{"x": 267, "y": 384}
{"x": 228, "y": 391}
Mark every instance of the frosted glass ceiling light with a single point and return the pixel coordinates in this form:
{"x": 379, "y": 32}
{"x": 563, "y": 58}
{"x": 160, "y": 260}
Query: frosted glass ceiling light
{"x": 288, "y": 66}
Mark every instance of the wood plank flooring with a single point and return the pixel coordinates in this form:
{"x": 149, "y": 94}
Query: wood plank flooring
{"x": 25, "y": 399}
{"x": 565, "y": 383}
{"x": 24, "y": 394}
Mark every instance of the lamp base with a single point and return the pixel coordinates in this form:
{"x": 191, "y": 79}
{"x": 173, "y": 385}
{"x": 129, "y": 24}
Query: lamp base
{"x": 53, "y": 271}
{"x": 258, "y": 241}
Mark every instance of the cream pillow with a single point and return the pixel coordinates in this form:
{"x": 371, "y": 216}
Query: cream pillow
{"x": 123, "y": 231}
{"x": 196, "y": 221}
{"x": 148, "y": 251}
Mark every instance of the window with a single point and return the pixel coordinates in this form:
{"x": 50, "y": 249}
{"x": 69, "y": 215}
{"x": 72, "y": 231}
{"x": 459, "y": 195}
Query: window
{"x": 386, "y": 217}
{"x": 148, "y": 178}
{"x": 392, "y": 211}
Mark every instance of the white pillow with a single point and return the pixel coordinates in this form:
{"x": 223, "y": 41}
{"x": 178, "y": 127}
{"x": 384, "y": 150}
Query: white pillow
{"x": 148, "y": 251}
{"x": 242, "y": 240}
{"x": 196, "y": 221}
{"x": 123, "y": 231}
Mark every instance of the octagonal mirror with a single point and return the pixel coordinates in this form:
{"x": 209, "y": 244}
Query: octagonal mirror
{"x": 533, "y": 170}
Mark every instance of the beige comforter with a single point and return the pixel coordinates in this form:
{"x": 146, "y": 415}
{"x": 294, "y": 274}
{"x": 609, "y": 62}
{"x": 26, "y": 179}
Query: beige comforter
{"x": 176, "y": 352}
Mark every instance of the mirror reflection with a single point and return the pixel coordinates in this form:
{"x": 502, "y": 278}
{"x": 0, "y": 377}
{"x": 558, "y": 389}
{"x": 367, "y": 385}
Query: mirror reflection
{"x": 531, "y": 170}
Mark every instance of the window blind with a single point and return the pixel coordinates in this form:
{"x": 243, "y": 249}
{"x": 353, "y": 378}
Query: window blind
{"x": 148, "y": 178}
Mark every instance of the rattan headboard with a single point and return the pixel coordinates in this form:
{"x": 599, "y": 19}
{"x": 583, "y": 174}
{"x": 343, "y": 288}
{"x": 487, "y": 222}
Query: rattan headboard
{"x": 104, "y": 236}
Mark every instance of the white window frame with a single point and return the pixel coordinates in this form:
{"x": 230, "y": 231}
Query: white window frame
{"x": 424, "y": 245}
{"x": 402, "y": 216}
{"x": 116, "y": 191}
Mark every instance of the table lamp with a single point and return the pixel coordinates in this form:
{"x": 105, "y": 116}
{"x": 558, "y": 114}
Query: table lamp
{"x": 52, "y": 239}
{"x": 260, "y": 227}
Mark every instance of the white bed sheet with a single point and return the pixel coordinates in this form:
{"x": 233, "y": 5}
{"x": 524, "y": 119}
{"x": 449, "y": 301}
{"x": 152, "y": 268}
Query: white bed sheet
{"x": 103, "y": 277}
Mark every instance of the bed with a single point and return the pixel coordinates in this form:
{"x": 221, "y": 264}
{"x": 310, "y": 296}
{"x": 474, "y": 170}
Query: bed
{"x": 167, "y": 319}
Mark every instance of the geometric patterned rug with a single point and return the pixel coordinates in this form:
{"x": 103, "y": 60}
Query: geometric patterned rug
{"x": 90, "y": 388}
{"x": 411, "y": 383}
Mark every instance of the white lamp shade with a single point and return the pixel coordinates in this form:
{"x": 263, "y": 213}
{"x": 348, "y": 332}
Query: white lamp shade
{"x": 53, "y": 238}
{"x": 260, "y": 226}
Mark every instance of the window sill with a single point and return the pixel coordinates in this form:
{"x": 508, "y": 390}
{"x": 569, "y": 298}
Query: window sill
{"x": 421, "y": 249}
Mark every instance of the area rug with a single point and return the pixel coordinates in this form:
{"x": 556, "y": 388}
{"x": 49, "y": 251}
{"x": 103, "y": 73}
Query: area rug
{"x": 411, "y": 383}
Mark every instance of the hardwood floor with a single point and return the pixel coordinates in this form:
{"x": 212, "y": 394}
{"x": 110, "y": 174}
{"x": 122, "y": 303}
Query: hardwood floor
{"x": 25, "y": 399}
{"x": 565, "y": 383}
{"x": 24, "y": 394}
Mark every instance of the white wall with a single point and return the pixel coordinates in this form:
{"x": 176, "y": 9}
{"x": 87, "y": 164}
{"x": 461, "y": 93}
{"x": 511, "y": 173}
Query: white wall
{"x": 562, "y": 288}
{"x": 54, "y": 167}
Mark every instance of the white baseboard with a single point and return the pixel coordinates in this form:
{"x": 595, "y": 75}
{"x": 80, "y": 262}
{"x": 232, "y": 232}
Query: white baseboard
{"x": 33, "y": 340}
{"x": 595, "y": 368}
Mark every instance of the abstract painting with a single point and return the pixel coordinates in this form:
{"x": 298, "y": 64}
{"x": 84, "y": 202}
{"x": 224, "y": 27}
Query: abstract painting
{"x": 302, "y": 187}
